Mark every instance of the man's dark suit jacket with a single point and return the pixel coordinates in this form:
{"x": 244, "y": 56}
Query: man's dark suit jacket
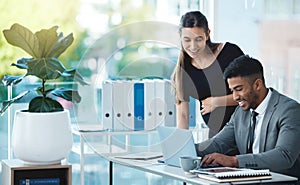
{"x": 279, "y": 141}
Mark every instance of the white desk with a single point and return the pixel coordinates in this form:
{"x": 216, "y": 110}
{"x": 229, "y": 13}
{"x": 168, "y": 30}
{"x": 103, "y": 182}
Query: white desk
{"x": 152, "y": 166}
{"x": 96, "y": 142}
{"x": 108, "y": 150}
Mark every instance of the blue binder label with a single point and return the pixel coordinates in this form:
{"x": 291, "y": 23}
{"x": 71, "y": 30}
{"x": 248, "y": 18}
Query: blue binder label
{"x": 192, "y": 121}
{"x": 139, "y": 106}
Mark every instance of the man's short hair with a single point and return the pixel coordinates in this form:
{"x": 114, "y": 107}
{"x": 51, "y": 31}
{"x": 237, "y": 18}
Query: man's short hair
{"x": 244, "y": 66}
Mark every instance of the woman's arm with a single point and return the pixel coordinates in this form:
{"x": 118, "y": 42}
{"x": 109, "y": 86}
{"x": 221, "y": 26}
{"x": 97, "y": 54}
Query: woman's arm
{"x": 182, "y": 115}
{"x": 210, "y": 103}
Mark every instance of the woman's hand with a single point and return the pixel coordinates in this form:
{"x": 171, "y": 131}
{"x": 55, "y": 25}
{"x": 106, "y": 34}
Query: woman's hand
{"x": 211, "y": 103}
{"x": 207, "y": 105}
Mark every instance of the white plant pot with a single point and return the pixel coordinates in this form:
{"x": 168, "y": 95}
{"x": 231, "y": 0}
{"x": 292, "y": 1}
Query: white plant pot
{"x": 42, "y": 138}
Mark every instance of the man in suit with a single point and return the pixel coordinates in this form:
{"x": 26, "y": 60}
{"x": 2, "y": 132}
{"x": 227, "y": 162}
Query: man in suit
{"x": 276, "y": 132}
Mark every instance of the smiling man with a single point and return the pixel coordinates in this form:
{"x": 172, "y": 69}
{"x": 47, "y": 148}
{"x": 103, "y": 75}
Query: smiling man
{"x": 264, "y": 130}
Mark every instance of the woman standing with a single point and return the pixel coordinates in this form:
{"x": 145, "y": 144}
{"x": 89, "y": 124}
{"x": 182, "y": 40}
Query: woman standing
{"x": 199, "y": 74}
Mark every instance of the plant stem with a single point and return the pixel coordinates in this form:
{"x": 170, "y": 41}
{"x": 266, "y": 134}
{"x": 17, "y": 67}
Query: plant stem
{"x": 43, "y": 88}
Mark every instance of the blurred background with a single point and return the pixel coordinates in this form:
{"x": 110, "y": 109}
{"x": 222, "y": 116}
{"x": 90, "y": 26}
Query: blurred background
{"x": 265, "y": 29}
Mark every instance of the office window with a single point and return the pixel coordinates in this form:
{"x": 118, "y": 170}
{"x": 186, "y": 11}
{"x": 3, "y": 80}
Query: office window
{"x": 278, "y": 9}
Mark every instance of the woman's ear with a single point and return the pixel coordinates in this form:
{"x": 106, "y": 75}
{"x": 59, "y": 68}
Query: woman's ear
{"x": 208, "y": 34}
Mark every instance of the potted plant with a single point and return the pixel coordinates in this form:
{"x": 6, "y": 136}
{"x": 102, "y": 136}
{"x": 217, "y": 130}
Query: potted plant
{"x": 42, "y": 133}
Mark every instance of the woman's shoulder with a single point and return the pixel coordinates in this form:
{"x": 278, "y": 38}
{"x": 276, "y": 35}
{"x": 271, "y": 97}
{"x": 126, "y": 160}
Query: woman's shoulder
{"x": 229, "y": 45}
{"x": 231, "y": 49}
{"x": 229, "y": 52}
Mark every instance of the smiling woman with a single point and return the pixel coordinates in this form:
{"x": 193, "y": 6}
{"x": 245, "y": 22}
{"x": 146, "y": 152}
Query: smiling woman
{"x": 199, "y": 73}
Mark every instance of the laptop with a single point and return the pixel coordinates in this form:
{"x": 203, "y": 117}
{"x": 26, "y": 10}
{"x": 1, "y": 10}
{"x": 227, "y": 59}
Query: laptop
{"x": 175, "y": 143}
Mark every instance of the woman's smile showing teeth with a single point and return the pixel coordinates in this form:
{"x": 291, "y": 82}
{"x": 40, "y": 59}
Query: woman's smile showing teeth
{"x": 194, "y": 52}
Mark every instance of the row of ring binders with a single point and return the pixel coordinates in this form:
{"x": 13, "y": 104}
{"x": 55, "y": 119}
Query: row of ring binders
{"x": 137, "y": 104}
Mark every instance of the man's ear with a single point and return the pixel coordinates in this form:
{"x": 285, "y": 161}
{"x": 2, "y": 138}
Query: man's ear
{"x": 258, "y": 84}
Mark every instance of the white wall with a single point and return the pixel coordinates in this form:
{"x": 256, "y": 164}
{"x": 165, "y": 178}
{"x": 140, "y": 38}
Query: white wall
{"x": 237, "y": 21}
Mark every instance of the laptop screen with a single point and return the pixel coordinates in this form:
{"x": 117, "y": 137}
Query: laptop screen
{"x": 176, "y": 143}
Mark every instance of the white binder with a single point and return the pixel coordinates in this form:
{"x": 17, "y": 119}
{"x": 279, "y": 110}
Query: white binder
{"x": 160, "y": 103}
{"x": 165, "y": 103}
{"x": 107, "y": 101}
{"x": 117, "y": 105}
{"x": 128, "y": 104}
{"x": 149, "y": 104}
{"x": 170, "y": 115}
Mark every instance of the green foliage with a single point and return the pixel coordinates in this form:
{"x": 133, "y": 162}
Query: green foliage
{"x": 44, "y": 46}
{"x": 36, "y": 14}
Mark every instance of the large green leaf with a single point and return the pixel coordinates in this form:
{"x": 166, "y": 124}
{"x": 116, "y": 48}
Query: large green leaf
{"x": 46, "y": 43}
{"x": 22, "y": 63}
{"x": 42, "y": 104}
{"x": 61, "y": 45}
{"x": 74, "y": 75}
{"x": 23, "y": 38}
{"x": 67, "y": 94}
{"x": 47, "y": 40}
{"x": 45, "y": 68}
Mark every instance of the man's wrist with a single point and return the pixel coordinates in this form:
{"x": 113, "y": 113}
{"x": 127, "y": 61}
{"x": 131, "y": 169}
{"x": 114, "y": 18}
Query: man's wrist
{"x": 235, "y": 162}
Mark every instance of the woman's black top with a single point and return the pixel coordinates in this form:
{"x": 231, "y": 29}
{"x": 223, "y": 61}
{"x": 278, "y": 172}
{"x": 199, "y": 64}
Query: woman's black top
{"x": 209, "y": 82}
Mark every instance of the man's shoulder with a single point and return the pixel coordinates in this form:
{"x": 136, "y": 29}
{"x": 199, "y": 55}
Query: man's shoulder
{"x": 280, "y": 98}
{"x": 284, "y": 105}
